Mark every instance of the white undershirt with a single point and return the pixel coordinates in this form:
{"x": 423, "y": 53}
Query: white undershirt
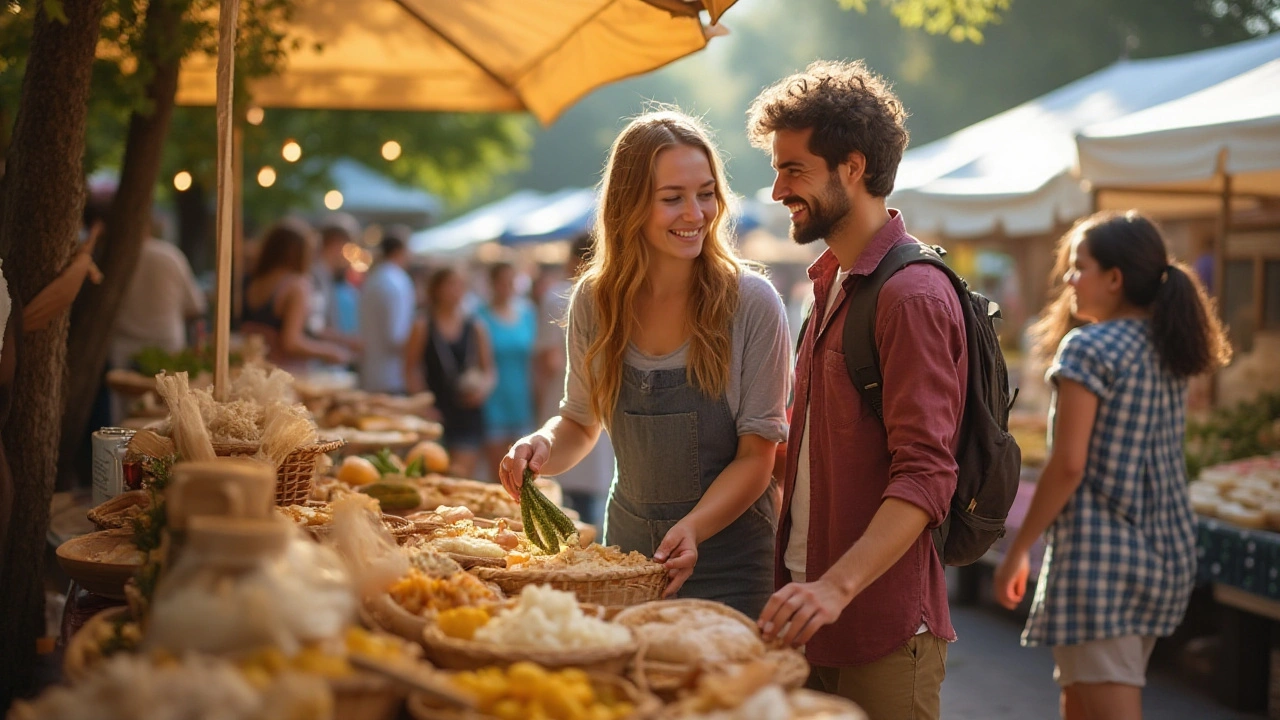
{"x": 798, "y": 542}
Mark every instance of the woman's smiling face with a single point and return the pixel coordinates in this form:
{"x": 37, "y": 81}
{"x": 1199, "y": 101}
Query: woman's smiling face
{"x": 684, "y": 203}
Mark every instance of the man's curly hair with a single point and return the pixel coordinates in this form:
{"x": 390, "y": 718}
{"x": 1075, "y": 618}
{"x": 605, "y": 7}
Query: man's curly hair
{"x": 849, "y": 108}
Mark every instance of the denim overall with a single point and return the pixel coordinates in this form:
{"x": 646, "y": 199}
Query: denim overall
{"x": 671, "y": 442}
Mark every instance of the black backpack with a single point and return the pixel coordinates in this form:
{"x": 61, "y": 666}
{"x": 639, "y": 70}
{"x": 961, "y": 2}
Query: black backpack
{"x": 988, "y": 457}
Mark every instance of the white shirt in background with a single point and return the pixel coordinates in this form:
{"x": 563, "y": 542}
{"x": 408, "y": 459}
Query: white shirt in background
{"x": 387, "y": 302}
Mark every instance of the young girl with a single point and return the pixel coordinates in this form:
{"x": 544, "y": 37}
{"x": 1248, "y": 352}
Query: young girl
{"x": 682, "y": 355}
{"x": 1119, "y": 563}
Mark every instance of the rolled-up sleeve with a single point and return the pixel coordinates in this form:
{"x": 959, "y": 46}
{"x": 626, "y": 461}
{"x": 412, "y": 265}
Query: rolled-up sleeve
{"x": 923, "y": 362}
{"x": 765, "y": 381}
{"x": 576, "y": 403}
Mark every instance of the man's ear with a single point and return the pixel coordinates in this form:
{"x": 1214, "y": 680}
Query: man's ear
{"x": 853, "y": 169}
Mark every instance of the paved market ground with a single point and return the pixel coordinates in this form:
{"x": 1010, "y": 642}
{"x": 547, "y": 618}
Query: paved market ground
{"x": 991, "y": 677}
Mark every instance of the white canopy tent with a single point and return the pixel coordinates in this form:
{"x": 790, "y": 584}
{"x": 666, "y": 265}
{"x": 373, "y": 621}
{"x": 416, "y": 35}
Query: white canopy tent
{"x": 1013, "y": 173}
{"x": 484, "y": 224}
{"x": 1192, "y": 143}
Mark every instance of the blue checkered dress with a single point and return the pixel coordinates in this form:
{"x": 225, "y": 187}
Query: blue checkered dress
{"x": 1120, "y": 559}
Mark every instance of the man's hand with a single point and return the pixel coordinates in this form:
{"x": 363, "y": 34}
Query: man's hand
{"x": 799, "y": 610}
{"x": 678, "y": 553}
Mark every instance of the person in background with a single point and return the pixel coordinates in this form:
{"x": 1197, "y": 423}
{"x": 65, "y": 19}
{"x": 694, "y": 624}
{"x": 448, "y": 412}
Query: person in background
{"x": 162, "y": 297}
{"x": 860, "y": 583}
{"x": 512, "y": 324}
{"x": 586, "y": 484}
{"x": 387, "y": 302}
{"x": 448, "y": 353}
{"x": 681, "y": 352}
{"x": 333, "y": 312}
{"x": 277, "y": 300}
{"x": 1120, "y": 557}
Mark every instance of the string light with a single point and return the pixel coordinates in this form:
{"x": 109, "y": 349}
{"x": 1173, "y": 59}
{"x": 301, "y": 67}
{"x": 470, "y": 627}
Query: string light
{"x": 333, "y": 199}
{"x": 291, "y": 151}
{"x": 182, "y": 181}
{"x": 267, "y": 176}
{"x": 255, "y": 115}
{"x": 390, "y": 150}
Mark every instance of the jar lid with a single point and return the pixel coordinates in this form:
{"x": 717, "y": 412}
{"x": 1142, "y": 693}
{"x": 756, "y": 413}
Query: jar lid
{"x": 237, "y": 538}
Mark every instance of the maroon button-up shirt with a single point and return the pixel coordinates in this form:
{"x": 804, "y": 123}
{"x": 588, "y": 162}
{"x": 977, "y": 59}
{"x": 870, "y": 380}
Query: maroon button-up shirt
{"x": 855, "y": 461}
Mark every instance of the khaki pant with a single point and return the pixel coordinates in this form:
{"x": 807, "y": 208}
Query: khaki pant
{"x": 905, "y": 685}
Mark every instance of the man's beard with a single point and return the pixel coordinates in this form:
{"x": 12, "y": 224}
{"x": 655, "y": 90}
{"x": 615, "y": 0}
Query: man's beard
{"x": 824, "y": 214}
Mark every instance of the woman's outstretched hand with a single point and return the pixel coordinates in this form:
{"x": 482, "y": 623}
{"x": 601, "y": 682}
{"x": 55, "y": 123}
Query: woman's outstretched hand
{"x": 530, "y": 451}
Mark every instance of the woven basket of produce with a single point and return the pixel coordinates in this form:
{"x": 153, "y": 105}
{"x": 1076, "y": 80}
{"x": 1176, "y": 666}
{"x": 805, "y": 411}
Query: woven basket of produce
{"x": 365, "y": 696}
{"x": 516, "y": 691}
{"x": 595, "y": 574}
{"x": 414, "y": 600}
{"x": 683, "y": 639}
{"x": 543, "y": 625}
{"x": 119, "y": 510}
{"x": 295, "y": 474}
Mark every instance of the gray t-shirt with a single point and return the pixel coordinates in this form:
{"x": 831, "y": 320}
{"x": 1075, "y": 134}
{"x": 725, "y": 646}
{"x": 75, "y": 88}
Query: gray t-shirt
{"x": 759, "y": 368}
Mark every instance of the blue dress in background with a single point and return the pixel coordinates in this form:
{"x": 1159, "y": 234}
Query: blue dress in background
{"x": 509, "y": 410}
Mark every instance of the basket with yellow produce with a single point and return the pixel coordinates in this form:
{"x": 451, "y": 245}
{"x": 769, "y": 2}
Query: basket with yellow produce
{"x": 543, "y": 625}
{"x": 528, "y": 690}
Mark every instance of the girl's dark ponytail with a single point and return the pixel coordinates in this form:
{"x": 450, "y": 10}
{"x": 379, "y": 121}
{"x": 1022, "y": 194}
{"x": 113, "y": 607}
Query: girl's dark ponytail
{"x": 1184, "y": 325}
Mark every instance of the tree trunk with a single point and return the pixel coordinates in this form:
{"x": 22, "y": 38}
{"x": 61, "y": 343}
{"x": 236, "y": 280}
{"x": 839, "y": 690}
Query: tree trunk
{"x": 39, "y": 219}
{"x": 128, "y": 223}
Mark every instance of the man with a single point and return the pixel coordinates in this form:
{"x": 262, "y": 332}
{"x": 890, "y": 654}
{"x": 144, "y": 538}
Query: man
{"x": 338, "y": 230}
{"x": 387, "y": 302}
{"x": 860, "y": 584}
{"x": 162, "y": 297}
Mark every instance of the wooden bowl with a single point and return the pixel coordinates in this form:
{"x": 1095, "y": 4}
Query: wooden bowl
{"x": 77, "y": 557}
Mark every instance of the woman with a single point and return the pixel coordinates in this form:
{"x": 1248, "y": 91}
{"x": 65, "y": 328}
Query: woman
{"x": 681, "y": 353}
{"x": 512, "y": 323}
{"x": 449, "y": 353}
{"x": 1115, "y": 484}
{"x": 277, "y": 300}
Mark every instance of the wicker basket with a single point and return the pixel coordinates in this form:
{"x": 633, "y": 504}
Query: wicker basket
{"x": 295, "y": 474}
{"x": 399, "y": 528}
{"x": 615, "y": 586}
{"x": 456, "y": 654}
{"x": 646, "y": 706}
{"x": 666, "y": 678}
{"x": 118, "y": 511}
{"x": 82, "y": 653}
{"x": 805, "y": 705}
{"x": 365, "y": 696}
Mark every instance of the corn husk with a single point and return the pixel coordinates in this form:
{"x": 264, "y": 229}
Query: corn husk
{"x": 285, "y": 429}
{"x": 190, "y": 435}
{"x": 150, "y": 444}
{"x": 372, "y": 556}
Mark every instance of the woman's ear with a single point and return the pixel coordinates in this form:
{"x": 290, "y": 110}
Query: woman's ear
{"x": 1115, "y": 280}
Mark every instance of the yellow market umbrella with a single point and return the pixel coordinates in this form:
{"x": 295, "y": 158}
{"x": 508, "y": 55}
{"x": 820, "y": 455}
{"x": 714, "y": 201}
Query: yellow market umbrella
{"x": 439, "y": 55}
{"x": 466, "y": 55}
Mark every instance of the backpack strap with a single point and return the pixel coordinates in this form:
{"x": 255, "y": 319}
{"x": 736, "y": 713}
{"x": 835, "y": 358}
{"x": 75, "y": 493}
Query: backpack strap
{"x": 861, "y": 356}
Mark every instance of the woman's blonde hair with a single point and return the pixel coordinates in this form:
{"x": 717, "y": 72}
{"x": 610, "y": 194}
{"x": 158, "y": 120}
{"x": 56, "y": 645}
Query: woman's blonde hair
{"x": 620, "y": 258}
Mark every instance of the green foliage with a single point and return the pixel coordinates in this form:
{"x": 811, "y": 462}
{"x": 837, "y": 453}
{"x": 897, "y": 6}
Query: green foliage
{"x": 1246, "y": 430}
{"x": 959, "y": 20}
{"x": 151, "y": 361}
{"x": 454, "y": 155}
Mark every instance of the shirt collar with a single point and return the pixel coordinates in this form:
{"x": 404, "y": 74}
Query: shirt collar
{"x": 881, "y": 243}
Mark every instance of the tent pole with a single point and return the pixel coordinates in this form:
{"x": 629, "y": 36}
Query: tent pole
{"x": 1220, "y": 269}
{"x": 225, "y": 225}
{"x": 237, "y": 218}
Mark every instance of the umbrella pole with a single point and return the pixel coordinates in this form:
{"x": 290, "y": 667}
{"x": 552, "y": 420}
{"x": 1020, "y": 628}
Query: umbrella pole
{"x": 226, "y": 201}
